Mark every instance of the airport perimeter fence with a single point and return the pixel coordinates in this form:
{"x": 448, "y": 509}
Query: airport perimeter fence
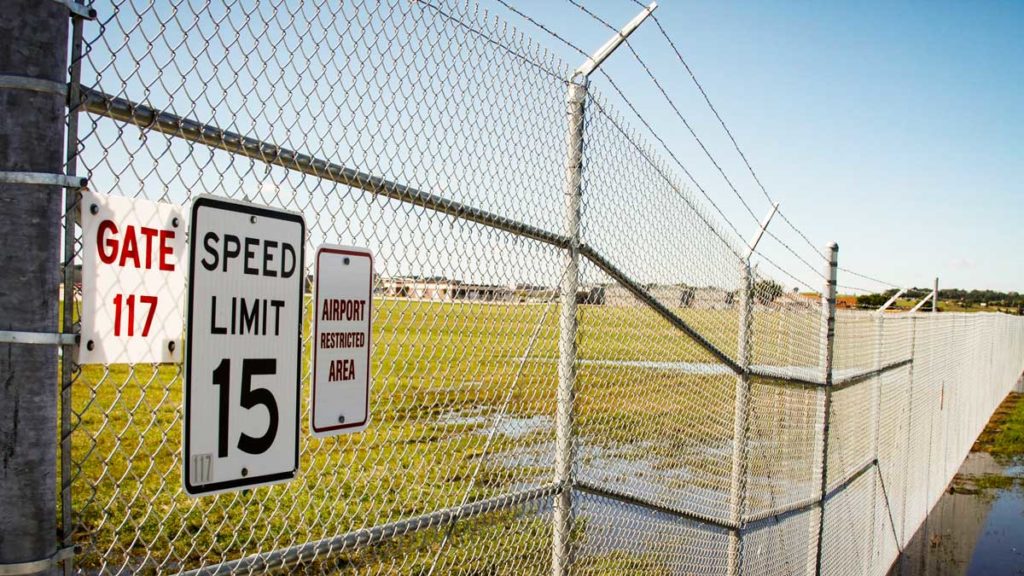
{"x": 576, "y": 369}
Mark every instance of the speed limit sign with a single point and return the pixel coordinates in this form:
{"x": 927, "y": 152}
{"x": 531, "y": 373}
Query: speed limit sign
{"x": 241, "y": 426}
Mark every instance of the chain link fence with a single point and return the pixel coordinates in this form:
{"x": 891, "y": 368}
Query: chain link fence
{"x": 697, "y": 421}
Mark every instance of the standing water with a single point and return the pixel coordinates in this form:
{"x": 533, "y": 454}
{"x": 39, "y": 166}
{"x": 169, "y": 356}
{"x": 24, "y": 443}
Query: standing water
{"x": 977, "y": 527}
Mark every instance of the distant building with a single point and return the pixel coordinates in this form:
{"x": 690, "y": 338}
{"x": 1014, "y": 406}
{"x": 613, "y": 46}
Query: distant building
{"x": 846, "y": 302}
{"x": 439, "y": 288}
{"x": 842, "y": 302}
{"x": 673, "y": 295}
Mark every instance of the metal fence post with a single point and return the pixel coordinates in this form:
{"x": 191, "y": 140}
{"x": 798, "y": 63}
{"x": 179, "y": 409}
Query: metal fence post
{"x": 33, "y": 71}
{"x": 876, "y": 417}
{"x": 906, "y": 448}
{"x": 68, "y": 278}
{"x": 828, "y": 333}
{"x": 935, "y": 298}
{"x": 737, "y": 486}
{"x": 564, "y": 442}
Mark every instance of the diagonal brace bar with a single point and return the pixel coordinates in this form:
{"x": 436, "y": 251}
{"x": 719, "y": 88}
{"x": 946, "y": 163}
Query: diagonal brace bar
{"x": 595, "y": 60}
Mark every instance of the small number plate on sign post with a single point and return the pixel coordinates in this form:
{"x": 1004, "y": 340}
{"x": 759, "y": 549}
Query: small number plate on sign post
{"x": 132, "y": 281}
{"x": 243, "y": 350}
{"x": 341, "y": 340}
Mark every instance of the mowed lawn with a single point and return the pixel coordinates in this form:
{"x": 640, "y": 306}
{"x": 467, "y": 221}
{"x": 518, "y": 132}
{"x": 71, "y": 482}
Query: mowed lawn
{"x": 444, "y": 375}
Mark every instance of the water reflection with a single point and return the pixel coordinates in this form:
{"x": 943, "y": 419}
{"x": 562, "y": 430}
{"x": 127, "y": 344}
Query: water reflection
{"x": 977, "y": 528}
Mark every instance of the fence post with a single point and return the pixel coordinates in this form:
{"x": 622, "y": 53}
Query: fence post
{"x": 935, "y": 298}
{"x": 876, "y": 417}
{"x": 68, "y": 277}
{"x": 827, "y": 343}
{"x": 737, "y": 485}
{"x": 906, "y": 449}
{"x": 33, "y": 63}
{"x": 564, "y": 442}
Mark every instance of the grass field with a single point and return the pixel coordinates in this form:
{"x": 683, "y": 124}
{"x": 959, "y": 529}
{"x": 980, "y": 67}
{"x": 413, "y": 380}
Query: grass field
{"x": 442, "y": 372}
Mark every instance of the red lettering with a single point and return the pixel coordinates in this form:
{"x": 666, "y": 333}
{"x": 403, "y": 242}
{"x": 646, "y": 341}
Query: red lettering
{"x": 166, "y": 250}
{"x": 342, "y": 370}
{"x": 107, "y": 226}
{"x": 126, "y": 252}
{"x": 117, "y": 314}
{"x": 151, "y": 300}
{"x": 129, "y": 248}
{"x": 149, "y": 233}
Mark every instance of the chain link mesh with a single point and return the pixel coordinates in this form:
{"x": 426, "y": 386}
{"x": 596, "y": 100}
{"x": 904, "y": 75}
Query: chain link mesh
{"x": 456, "y": 474}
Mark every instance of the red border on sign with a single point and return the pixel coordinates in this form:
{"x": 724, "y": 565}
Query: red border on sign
{"x": 316, "y": 339}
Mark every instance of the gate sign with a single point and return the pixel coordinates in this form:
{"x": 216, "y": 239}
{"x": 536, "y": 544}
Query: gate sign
{"x": 132, "y": 280}
{"x": 243, "y": 359}
{"x": 341, "y": 337}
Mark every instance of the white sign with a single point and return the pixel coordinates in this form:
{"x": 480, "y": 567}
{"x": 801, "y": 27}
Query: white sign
{"x": 243, "y": 358}
{"x": 132, "y": 280}
{"x": 341, "y": 340}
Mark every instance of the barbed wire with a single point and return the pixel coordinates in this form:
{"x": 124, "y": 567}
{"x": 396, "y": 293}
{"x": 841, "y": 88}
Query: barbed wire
{"x": 795, "y": 254}
{"x": 866, "y": 277}
{"x": 672, "y": 105}
{"x": 735, "y": 143}
{"x": 762, "y": 258}
{"x": 634, "y": 109}
{"x": 675, "y": 159}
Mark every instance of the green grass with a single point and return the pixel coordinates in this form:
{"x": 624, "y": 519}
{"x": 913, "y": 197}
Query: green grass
{"x": 1004, "y": 435}
{"x": 951, "y": 306}
{"x": 441, "y": 371}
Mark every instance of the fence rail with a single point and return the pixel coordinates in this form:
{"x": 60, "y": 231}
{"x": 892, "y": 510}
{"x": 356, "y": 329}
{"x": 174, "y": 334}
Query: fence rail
{"x": 667, "y": 412}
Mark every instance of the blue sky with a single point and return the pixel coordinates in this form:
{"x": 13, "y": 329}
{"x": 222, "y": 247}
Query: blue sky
{"x": 895, "y": 129}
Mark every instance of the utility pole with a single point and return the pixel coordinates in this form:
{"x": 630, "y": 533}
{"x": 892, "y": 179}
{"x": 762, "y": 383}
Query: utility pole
{"x": 33, "y": 79}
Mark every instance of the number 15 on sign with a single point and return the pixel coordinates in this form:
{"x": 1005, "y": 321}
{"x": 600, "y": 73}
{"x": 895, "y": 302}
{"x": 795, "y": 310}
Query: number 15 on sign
{"x": 241, "y": 425}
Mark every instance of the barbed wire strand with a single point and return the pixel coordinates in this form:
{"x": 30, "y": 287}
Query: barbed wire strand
{"x": 633, "y": 108}
{"x": 735, "y": 143}
{"x": 675, "y": 108}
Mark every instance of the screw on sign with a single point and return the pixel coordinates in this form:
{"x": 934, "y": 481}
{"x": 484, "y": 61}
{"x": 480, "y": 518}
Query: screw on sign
{"x": 242, "y": 379}
{"x": 132, "y": 281}
{"x": 340, "y": 397}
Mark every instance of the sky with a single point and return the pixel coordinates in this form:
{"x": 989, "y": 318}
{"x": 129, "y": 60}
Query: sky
{"x": 893, "y": 129}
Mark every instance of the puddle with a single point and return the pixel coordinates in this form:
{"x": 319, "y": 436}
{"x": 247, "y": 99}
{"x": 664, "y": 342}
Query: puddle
{"x": 508, "y": 425}
{"x": 977, "y": 529}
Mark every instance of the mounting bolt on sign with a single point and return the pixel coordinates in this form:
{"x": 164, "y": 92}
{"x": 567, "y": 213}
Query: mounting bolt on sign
{"x": 243, "y": 347}
{"x": 133, "y": 283}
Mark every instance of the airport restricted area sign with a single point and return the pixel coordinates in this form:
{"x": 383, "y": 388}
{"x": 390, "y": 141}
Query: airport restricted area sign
{"x": 243, "y": 346}
{"x": 341, "y": 349}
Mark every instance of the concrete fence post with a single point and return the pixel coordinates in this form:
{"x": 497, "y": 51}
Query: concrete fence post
{"x": 33, "y": 64}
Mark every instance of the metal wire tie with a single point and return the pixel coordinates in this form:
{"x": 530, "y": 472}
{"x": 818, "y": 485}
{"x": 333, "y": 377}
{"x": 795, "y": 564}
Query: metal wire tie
{"x": 36, "y": 566}
{"x": 80, "y": 10}
{"x": 46, "y": 338}
{"x": 34, "y": 84}
{"x": 44, "y": 179}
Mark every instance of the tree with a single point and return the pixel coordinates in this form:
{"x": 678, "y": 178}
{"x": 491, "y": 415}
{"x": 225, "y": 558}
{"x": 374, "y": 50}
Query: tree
{"x": 767, "y": 291}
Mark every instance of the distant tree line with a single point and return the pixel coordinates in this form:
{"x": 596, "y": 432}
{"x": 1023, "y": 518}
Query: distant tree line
{"x": 966, "y": 298}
